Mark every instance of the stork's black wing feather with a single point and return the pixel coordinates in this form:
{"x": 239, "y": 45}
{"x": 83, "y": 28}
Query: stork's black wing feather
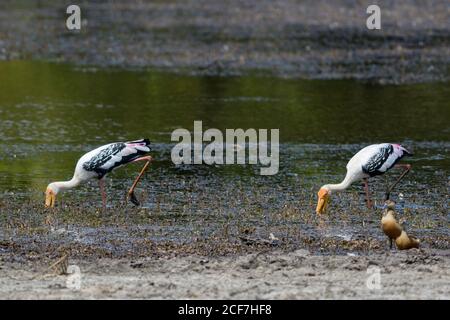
{"x": 373, "y": 165}
{"x": 115, "y": 155}
{"x": 95, "y": 163}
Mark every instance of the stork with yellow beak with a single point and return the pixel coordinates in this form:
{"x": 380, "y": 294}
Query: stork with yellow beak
{"x": 99, "y": 162}
{"x": 370, "y": 161}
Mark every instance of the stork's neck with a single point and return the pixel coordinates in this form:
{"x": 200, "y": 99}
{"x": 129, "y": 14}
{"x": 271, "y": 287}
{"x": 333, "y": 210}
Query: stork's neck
{"x": 63, "y": 185}
{"x": 348, "y": 180}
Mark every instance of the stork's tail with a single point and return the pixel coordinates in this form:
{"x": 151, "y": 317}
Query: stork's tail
{"x": 404, "y": 151}
{"x": 407, "y": 152}
{"x": 142, "y": 144}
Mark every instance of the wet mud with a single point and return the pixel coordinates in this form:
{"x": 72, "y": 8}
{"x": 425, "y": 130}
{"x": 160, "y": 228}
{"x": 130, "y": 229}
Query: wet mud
{"x": 308, "y": 39}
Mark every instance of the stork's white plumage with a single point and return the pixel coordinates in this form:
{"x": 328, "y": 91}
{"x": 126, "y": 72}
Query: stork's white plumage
{"x": 370, "y": 161}
{"x": 99, "y": 162}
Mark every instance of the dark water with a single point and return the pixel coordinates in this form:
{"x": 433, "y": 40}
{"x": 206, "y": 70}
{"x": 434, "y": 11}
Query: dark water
{"x": 51, "y": 114}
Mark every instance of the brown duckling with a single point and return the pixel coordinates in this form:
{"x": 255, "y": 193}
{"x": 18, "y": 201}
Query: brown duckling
{"x": 405, "y": 242}
{"x": 389, "y": 224}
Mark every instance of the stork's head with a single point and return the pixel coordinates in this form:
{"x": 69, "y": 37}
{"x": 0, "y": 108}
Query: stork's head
{"x": 323, "y": 199}
{"x": 50, "y": 195}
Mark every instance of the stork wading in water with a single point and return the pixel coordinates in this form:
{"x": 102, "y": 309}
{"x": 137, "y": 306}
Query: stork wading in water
{"x": 99, "y": 162}
{"x": 370, "y": 161}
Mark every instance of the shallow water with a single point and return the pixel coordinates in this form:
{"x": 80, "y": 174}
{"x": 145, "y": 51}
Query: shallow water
{"x": 50, "y": 114}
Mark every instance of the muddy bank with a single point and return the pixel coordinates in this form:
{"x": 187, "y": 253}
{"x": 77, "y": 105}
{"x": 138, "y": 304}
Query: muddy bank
{"x": 29, "y": 231}
{"x": 308, "y": 39}
{"x": 274, "y": 274}
{"x": 129, "y": 255}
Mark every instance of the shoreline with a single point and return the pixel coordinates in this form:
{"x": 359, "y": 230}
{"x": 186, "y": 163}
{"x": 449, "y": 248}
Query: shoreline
{"x": 311, "y": 40}
{"x": 415, "y": 274}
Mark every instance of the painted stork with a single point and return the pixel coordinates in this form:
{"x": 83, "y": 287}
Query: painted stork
{"x": 370, "y": 161}
{"x": 99, "y": 162}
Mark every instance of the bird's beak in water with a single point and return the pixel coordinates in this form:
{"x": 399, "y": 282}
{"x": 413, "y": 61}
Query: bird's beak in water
{"x": 50, "y": 198}
{"x": 322, "y": 203}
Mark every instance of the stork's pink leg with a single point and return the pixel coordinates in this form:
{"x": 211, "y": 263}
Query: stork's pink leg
{"x": 407, "y": 169}
{"x": 366, "y": 189}
{"x": 131, "y": 195}
{"x": 101, "y": 184}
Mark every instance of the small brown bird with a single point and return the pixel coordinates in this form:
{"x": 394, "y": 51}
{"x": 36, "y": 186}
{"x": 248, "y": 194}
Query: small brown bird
{"x": 405, "y": 242}
{"x": 389, "y": 224}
